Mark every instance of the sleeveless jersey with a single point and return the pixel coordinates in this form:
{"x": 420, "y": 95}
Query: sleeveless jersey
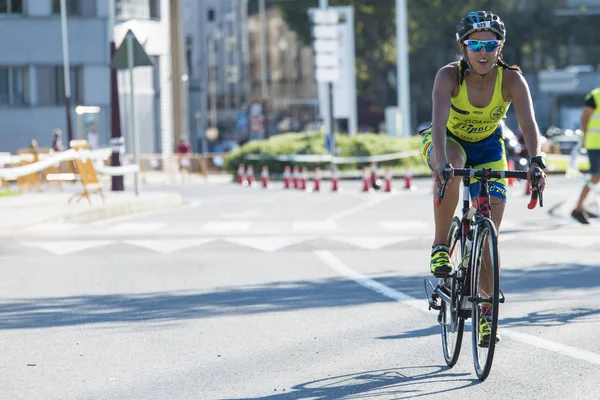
{"x": 474, "y": 124}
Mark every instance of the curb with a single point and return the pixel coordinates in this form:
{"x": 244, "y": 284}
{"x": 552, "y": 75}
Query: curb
{"x": 106, "y": 211}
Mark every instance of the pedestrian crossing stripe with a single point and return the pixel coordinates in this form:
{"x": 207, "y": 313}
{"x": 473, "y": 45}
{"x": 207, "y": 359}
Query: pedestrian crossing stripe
{"x": 61, "y": 248}
{"x": 269, "y": 244}
{"x": 138, "y": 227}
{"x": 168, "y": 246}
{"x": 276, "y": 243}
{"x": 371, "y": 242}
{"x": 227, "y": 226}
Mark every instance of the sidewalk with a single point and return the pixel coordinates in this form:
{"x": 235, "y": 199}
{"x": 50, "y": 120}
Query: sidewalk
{"x": 32, "y": 208}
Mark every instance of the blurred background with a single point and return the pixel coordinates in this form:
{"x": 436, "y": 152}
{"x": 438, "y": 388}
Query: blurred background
{"x": 225, "y": 72}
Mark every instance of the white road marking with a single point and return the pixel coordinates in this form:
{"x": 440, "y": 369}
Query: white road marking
{"x": 313, "y": 225}
{"x": 111, "y": 221}
{"x": 269, "y": 244}
{"x": 574, "y": 241}
{"x": 337, "y": 265}
{"x": 138, "y": 227}
{"x": 227, "y": 226}
{"x": 359, "y": 208}
{"x": 51, "y": 227}
{"x": 370, "y": 242}
{"x": 403, "y": 225}
{"x": 242, "y": 214}
{"x": 61, "y": 248}
{"x": 167, "y": 246}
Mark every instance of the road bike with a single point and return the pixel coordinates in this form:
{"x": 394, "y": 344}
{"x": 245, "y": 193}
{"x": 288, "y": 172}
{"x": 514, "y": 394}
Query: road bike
{"x": 475, "y": 280}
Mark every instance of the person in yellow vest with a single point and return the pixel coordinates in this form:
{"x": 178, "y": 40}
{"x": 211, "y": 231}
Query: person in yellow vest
{"x": 590, "y": 124}
{"x": 470, "y": 98}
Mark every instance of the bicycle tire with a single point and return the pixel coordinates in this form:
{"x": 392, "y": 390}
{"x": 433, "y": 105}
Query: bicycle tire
{"x": 485, "y": 238}
{"x": 452, "y": 332}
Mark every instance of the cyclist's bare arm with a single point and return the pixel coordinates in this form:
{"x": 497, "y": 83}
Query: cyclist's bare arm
{"x": 444, "y": 87}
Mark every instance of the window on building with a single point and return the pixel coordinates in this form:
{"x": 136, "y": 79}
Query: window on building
{"x": 73, "y": 7}
{"x": 188, "y": 53}
{"x": 11, "y": 6}
{"x": 13, "y": 86}
{"x": 211, "y": 14}
{"x": 137, "y": 9}
{"x": 51, "y": 85}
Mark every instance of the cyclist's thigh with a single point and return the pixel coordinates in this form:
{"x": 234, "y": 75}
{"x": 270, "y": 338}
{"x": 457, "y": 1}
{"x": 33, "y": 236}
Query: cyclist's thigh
{"x": 489, "y": 153}
{"x": 454, "y": 151}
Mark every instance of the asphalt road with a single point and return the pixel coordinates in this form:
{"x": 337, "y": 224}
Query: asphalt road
{"x": 245, "y": 293}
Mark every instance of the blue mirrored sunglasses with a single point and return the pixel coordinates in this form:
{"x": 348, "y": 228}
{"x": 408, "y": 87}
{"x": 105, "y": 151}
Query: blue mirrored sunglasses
{"x": 476, "y": 45}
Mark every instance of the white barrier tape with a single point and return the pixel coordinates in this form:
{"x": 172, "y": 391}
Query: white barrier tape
{"x": 51, "y": 160}
{"x": 314, "y": 158}
{"x": 117, "y": 171}
{"x": 14, "y": 173}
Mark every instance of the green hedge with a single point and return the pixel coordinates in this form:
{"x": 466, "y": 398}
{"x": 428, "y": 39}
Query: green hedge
{"x": 364, "y": 144}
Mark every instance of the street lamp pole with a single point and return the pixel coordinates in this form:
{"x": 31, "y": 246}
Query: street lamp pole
{"x": 402, "y": 66}
{"x": 117, "y": 142}
{"x": 67, "y": 77}
{"x": 263, "y": 50}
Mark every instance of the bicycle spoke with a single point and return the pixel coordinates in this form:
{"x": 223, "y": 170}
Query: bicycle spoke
{"x": 485, "y": 294}
{"x": 452, "y": 325}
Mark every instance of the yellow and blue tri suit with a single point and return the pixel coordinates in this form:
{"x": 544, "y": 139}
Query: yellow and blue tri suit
{"x": 478, "y": 133}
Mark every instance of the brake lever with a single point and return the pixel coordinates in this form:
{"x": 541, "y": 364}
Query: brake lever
{"x": 442, "y": 192}
{"x": 536, "y": 194}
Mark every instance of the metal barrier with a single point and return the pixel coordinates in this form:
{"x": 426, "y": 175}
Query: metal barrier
{"x": 87, "y": 173}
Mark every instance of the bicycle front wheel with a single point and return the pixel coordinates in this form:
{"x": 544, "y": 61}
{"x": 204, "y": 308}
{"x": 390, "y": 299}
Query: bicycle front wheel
{"x": 450, "y": 320}
{"x": 485, "y": 290}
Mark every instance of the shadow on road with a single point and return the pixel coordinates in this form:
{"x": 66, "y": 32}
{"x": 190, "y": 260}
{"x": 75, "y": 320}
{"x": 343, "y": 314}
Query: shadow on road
{"x": 550, "y": 276}
{"x": 278, "y": 297}
{"x": 402, "y": 383}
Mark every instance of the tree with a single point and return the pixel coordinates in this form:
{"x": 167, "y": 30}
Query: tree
{"x": 432, "y": 43}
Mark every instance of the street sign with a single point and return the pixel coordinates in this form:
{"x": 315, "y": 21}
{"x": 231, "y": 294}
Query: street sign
{"x": 140, "y": 58}
{"x": 326, "y": 44}
{"x": 256, "y": 120}
{"x": 242, "y": 120}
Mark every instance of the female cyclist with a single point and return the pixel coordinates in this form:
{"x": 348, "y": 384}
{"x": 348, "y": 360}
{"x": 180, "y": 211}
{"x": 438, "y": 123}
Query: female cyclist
{"x": 470, "y": 98}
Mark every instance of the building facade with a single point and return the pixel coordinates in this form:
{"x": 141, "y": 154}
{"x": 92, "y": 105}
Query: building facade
{"x": 32, "y": 94}
{"x": 292, "y": 94}
{"x": 32, "y": 90}
{"x": 218, "y": 65}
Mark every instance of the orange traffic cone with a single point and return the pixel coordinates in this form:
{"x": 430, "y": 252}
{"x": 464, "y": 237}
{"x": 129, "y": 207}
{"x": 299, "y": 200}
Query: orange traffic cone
{"x": 511, "y": 167}
{"x": 408, "y": 179}
{"x": 317, "y": 186}
{"x": 250, "y": 175}
{"x": 241, "y": 178}
{"x": 375, "y": 183}
{"x": 388, "y": 179}
{"x": 295, "y": 177}
{"x": 366, "y": 180}
{"x": 335, "y": 180}
{"x": 304, "y": 179}
{"x": 287, "y": 177}
{"x": 264, "y": 177}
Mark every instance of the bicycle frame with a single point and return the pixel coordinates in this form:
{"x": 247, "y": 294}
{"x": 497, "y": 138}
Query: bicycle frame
{"x": 471, "y": 219}
{"x": 459, "y": 292}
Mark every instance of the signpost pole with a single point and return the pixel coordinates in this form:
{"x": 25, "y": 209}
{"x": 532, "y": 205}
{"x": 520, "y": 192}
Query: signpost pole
{"x": 132, "y": 116}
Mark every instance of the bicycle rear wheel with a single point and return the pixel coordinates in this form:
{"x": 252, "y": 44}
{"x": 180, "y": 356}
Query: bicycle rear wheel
{"x": 450, "y": 320}
{"x": 485, "y": 290}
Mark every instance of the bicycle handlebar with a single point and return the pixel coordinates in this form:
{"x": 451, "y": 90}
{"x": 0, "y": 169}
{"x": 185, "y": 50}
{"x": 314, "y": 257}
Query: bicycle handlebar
{"x": 492, "y": 174}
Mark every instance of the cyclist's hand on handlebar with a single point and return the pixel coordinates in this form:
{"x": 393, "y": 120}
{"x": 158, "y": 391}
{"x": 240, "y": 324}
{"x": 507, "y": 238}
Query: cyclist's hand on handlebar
{"x": 540, "y": 178}
{"x": 438, "y": 173}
